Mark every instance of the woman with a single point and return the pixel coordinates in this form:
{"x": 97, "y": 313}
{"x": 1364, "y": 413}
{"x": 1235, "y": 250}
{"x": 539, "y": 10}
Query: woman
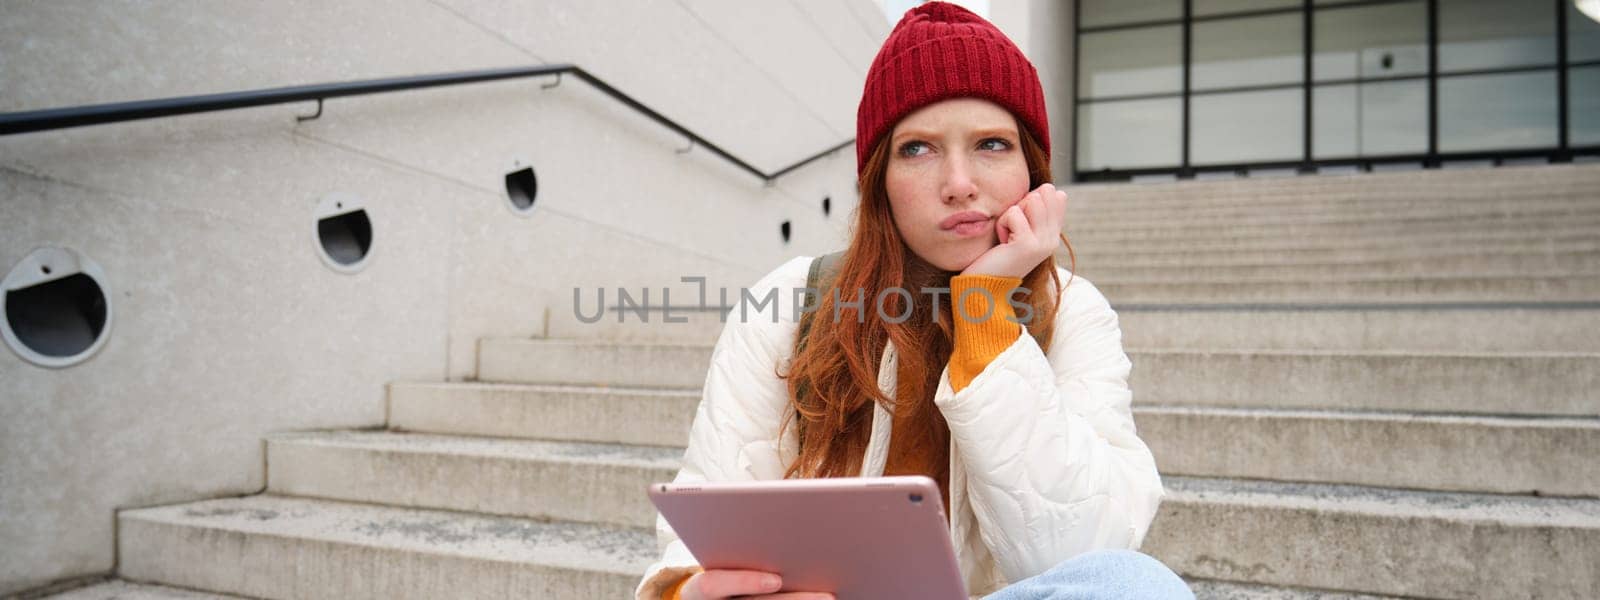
{"x": 1024, "y": 422}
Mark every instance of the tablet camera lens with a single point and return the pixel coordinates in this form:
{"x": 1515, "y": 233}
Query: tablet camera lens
{"x": 916, "y": 498}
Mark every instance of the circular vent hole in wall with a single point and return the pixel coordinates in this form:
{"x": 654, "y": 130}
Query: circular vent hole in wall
{"x": 56, "y": 313}
{"x": 344, "y": 232}
{"x": 522, "y": 188}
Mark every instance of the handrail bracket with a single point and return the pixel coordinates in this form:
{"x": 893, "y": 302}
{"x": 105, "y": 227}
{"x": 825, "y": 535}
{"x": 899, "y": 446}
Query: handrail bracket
{"x": 301, "y": 119}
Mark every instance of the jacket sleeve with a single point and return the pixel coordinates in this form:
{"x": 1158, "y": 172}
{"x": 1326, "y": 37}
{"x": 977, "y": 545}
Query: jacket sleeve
{"x": 734, "y": 435}
{"x": 1053, "y": 464}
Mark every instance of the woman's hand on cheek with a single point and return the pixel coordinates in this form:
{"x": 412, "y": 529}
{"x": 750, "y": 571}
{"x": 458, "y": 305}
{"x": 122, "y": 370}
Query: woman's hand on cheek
{"x": 1029, "y": 231}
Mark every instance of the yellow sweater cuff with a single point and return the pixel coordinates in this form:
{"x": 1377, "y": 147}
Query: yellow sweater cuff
{"x": 979, "y": 340}
{"x": 675, "y": 590}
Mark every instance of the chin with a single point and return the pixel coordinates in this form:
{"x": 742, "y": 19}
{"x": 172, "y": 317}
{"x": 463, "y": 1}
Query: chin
{"x": 956, "y": 257}
{"x": 958, "y": 261}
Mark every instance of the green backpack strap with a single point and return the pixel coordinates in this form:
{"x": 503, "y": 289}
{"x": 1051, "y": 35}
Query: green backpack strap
{"x": 819, "y": 280}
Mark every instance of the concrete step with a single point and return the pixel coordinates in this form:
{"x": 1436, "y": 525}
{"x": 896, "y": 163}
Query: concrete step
{"x": 570, "y": 481}
{"x": 1471, "y": 185}
{"x": 599, "y": 362}
{"x": 1117, "y": 205}
{"x": 1106, "y": 261}
{"x": 1571, "y": 288}
{"x": 1202, "y": 200}
{"x": 1496, "y": 240}
{"x": 1513, "y": 455}
{"x": 1546, "y": 383}
{"x": 1463, "y": 183}
{"x": 126, "y": 590}
{"x": 276, "y": 547}
{"x": 640, "y": 416}
{"x": 1502, "y": 454}
{"x": 1336, "y": 510}
{"x": 1376, "y": 224}
{"x": 1378, "y": 541}
{"x": 1534, "y": 383}
{"x": 1206, "y": 589}
{"x": 698, "y": 326}
{"x": 1569, "y": 263}
{"x": 1253, "y": 532}
{"x": 1113, "y": 208}
{"x": 1191, "y": 276}
{"x": 1419, "y": 329}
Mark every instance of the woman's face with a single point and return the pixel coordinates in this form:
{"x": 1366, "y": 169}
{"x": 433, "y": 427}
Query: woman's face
{"x": 954, "y": 166}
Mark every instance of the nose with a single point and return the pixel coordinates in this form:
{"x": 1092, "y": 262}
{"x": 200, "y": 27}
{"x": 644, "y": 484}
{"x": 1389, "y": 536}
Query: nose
{"x": 957, "y": 185}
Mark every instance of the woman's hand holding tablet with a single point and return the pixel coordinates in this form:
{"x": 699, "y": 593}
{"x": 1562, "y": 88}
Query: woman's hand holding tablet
{"x": 848, "y": 538}
{"x": 717, "y": 584}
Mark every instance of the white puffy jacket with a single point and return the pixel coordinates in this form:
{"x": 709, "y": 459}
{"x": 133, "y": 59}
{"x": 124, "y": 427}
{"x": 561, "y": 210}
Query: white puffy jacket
{"x": 1044, "y": 460}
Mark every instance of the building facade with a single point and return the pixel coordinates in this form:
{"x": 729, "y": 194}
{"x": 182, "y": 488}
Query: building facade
{"x": 1184, "y": 88}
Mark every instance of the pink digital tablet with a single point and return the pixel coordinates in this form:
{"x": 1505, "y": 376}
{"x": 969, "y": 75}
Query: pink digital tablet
{"x": 862, "y": 538}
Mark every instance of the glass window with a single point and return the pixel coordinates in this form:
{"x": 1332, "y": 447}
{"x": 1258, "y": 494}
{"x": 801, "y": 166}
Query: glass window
{"x": 1583, "y": 106}
{"x": 1250, "y": 51}
{"x": 1096, "y": 13}
{"x": 1370, "y": 119}
{"x": 1491, "y": 34}
{"x": 1130, "y": 134}
{"x": 1496, "y": 88}
{"x": 1132, "y": 61}
{"x": 1583, "y": 35}
{"x": 1204, "y": 8}
{"x": 1370, "y": 41}
{"x": 1247, "y": 127}
{"x": 1495, "y": 112}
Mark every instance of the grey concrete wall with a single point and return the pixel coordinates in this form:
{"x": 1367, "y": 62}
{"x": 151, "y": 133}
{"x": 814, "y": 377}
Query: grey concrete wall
{"x": 228, "y": 326}
{"x": 1044, "y": 30}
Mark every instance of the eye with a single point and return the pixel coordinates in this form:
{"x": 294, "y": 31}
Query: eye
{"x": 910, "y": 149}
{"x": 997, "y": 144}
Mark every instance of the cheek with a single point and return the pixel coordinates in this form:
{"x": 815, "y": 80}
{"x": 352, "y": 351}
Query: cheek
{"x": 905, "y": 196}
{"x": 1011, "y": 182}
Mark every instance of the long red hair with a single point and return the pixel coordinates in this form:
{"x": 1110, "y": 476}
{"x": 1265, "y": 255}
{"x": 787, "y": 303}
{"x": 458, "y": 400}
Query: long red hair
{"x": 839, "y": 364}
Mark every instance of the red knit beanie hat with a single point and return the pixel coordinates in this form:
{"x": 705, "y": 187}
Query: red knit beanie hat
{"x": 938, "y": 51}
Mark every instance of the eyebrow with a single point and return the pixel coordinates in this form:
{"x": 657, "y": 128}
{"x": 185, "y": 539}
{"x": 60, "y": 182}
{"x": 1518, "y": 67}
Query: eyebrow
{"x": 984, "y": 132}
{"x": 998, "y": 131}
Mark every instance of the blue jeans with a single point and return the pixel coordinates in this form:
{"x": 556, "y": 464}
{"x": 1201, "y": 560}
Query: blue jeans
{"x": 1101, "y": 575}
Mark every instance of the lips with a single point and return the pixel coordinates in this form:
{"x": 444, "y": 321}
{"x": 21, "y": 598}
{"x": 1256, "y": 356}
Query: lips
{"x": 970, "y": 216}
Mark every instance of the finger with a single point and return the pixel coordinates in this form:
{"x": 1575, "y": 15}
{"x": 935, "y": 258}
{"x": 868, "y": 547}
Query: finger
{"x": 1047, "y": 193}
{"x": 1052, "y": 196}
{"x": 795, "y": 596}
{"x": 1058, "y": 210}
{"x": 1037, "y": 211}
{"x": 1024, "y": 197}
{"x": 1016, "y": 224}
{"x": 1032, "y": 204}
{"x": 1001, "y": 228}
{"x": 721, "y": 583}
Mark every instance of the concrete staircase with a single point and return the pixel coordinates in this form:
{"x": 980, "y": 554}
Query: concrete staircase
{"x": 1381, "y": 384}
{"x": 1365, "y": 386}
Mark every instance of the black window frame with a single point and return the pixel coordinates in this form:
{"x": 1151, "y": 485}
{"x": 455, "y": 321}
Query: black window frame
{"x": 1563, "y": 152}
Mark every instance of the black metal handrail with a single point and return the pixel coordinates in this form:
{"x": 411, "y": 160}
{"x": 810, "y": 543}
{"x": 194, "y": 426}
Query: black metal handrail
{"x": 77, "y": 116}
